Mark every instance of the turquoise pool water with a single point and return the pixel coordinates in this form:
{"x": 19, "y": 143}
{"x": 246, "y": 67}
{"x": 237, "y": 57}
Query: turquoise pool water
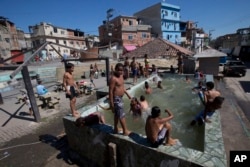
{"x": 180, "y": 99}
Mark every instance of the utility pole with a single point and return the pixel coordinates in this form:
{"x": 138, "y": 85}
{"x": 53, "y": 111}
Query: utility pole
{"x": 109, "y": 26}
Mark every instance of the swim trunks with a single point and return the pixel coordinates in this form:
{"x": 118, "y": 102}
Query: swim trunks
{"x": 160, "y": 138}
{"x": 200, "y": 115}
{"x": 134, "y": 72}
{"x": 118, "y": 106}
{"x": 73, "y": 92}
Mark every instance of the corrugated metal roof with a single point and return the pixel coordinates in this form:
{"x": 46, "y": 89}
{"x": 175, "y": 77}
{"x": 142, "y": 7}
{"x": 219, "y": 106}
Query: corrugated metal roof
{"x": 210, "y": 53}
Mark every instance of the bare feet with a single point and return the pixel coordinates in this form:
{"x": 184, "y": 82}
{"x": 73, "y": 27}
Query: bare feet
{"x": 126, "y": 133}
{"x": 207, "y": 121}
{"x": 119, "y": 130}
{"x": 76, "y": 114}
{"x": 171, "y": 142}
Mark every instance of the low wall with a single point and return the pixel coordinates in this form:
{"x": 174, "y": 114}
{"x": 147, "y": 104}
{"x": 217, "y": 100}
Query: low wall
{"x": 92, "y": 144}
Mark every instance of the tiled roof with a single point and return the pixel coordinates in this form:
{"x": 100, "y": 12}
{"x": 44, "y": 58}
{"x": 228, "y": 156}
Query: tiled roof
{"x": 157, "y": 48}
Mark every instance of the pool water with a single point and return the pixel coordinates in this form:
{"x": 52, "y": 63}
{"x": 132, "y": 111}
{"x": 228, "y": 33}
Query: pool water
{"x": 176, "y": 96}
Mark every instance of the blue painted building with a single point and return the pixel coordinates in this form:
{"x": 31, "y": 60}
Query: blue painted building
{"x": 165, "y": 21}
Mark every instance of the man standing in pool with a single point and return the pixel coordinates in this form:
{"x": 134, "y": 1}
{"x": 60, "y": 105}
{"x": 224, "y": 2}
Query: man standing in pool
{"x": 159, "y": 129}
{"x": 116, "y": 92}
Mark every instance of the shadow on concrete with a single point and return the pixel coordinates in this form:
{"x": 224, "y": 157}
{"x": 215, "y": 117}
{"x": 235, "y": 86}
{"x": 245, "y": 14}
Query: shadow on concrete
{"x": 245, "y": 86}
{"x": 70, "y": 157}
{"x": 60, "y": 144}
{"x": 14, "y": 115}
{"x": 139, "y": 139}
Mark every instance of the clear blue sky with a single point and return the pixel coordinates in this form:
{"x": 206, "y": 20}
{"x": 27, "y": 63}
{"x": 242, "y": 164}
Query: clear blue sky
{"x": 222, "y": 16}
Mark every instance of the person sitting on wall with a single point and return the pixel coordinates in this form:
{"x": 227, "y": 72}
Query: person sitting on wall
{"x": 40, "y": 89}
{"x": 159, "y": 129}
{"x": 92, "y": 119}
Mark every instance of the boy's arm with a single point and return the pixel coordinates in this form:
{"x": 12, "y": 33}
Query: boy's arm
{"x": 125, "y": 91}
{"x": 166, "y": 119}
{"x": 111, "y": 93}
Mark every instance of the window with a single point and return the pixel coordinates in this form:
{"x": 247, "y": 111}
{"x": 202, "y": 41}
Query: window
{"x": 71, "y": 42}
{"x": 65, "y": 42}
{"x": 62, "y": 32}
{"x": 130, "y": 22}
{"x": 7, "y": 40}
{"x": 55, "y": 29}
{"x": 57, "y": 41}
{"x": 130, "y": 37}
{"x": 144, "y": 35}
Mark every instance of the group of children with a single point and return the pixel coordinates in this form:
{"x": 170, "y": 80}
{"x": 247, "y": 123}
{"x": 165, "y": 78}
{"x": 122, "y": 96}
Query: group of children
{"x": 158, "y": 129}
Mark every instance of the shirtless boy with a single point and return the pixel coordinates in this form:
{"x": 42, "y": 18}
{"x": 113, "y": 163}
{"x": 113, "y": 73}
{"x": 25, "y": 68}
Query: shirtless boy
{"x": 148, "y": 89}
{"x": 126, "y": 68}
{"x": 71, "y": 88}
{"x": 116, "y": 92}
{"x": 144, "y": 103}
{"x": 213, "y": 101}
{"x": 159, "y": 129}
{"x": 210, "y": 93}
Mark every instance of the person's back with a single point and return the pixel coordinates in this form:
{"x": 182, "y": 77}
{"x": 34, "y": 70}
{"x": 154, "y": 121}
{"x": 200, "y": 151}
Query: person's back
{"x": 159, "y": 129}
{"x": 144, "y": 103}
{"x": 148, "y": 89}
{"x": 40, "y": 89}
{"x": 211, "y": 93}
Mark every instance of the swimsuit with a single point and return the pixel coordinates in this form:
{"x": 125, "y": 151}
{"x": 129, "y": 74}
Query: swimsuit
{"x": 73, "y": 92}
{"x": 118, "y": 106}
{"x": 137, "y": 110}
{"x": 135, "y": 71}
{"x": 160, "y": 138}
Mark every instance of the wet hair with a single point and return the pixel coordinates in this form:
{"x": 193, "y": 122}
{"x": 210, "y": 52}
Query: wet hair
{"x": 142, "y": 98}
{"x": 87, "y": 121}
{"x": 200, "y": 83}
{"x": 39, "y": 81}
{"x": 134, "y": 98}
{"x": 145, "y": 55}
{"x": 69, "y": 65}
{"x": 146, "y": 84}
{"x": 118, "y": 65}
{"x": 210, "y": 85}
{"x": 80, "y": 122}
{"x": 155, "y": 112}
